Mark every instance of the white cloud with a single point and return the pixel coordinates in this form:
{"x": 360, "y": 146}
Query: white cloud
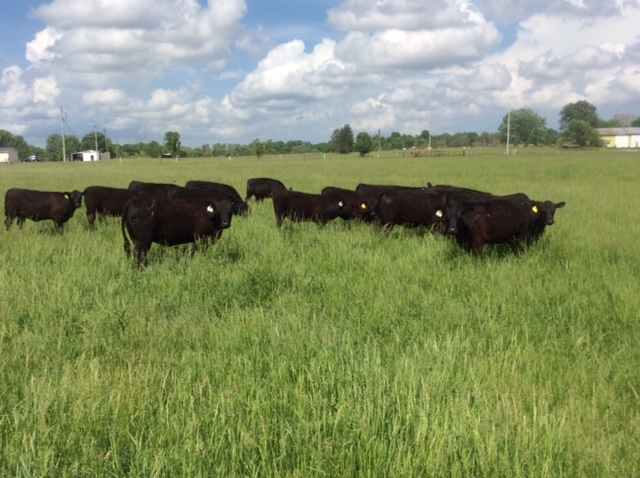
{"x": 110, "y": 96}
{"x": 406, "y": 15}
{"x": 142, "y": 67}
{"x": 41, "y": 48}
{"x": 45, "y": 90}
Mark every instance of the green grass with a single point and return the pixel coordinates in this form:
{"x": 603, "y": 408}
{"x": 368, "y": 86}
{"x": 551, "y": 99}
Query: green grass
{"x": 327, "y": 351}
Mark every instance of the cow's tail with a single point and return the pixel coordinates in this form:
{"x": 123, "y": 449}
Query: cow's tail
{"x": 127, "y": 244}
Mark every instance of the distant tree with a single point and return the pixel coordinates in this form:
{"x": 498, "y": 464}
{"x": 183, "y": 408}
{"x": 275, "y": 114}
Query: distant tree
{"x": 635, "y": 123}
{"x": 625, "y": 119}
{"x": 552, "y": 136}
{"x": 152, "y": 149}
{"x": 364, "y": 144}
{"x": 527, "y": 127}
{"x": 172, "y": 143}
{"x": 219, "y": 149}
{"x": 95, "y": 139}
{"x": 8, "y": 140}
{"x": 258, "y": 148}
{"x": 342, "y": 140}
{"x": 581, "y": 110}
{"x": 612, "y": 123}
{"x": 53, "y": 148}
{"x": 581, "y": 133}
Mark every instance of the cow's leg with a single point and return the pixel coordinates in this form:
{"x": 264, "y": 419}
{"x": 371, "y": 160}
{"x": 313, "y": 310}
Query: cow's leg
{"x": 20, "y": 221}
{"x": 91, "y": 217}
{"x": 478, "y": 245}
{"x": 9, "y": 221}
{"x": 142, "y": 249}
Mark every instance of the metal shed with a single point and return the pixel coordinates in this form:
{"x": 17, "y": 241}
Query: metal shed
{"x": 620, "y": 137}
{"x": 8, "y": 155}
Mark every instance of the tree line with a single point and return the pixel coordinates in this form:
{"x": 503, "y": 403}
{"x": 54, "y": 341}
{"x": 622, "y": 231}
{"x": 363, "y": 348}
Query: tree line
{"x": 578, "y": 123}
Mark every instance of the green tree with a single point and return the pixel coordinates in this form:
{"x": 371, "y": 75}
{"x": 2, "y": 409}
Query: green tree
{"x": 172, "y": 143}
{"x": 8, "y": 140}
{"x": 635, "y": 123}
{"x": 95, "y": 139}
{"x": 53, "y": 148}
{"x": 527, "y": 127}
{"x": 258, "y": 148}
{"x": 342, "y": 140}
{"x": 364, "y": 144}
{"x": 581, "y": 133}
{"x": 581, "y": 110}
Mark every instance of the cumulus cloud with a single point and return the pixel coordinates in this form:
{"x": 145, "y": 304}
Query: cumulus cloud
{"x": 412, "y": 34}
{"x": 110, "y": 96}
{"x": 125, "y": 36}
{"x": 406, "y": 15}
{"x": 147, "y": 66}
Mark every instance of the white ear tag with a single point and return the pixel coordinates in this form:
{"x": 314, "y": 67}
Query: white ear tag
{"x": 439, "y": 213}
{"x": 340, "y": 204}
{"x": 209, "y": 209}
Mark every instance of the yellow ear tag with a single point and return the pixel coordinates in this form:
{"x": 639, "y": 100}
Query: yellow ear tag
{"x": 66, "y": 196}
{"x": 535, "y": 209}
{"x": 363, "y": 206}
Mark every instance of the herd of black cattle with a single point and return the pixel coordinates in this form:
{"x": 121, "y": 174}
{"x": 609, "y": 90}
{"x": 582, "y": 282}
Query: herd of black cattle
{"x": 169, "y": 214}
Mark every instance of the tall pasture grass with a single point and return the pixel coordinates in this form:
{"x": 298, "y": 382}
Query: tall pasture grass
{"x": 327, "y": 351}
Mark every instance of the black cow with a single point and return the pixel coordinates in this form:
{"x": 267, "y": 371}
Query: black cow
{"x": 239, "y": 206}
{"x": 499, "y": 220}
{"x": 457, "y": 193}
{"x": 24, "y": 204}
{"x": 156, "y": 189}
{"x": 544, "y": 215}
{"x": 361, "y": 204}
{"x": 105, "y": 201}
{"x": 171, "y": 222}
{"x": 298, "y": 206}
{"x": 375, "y": 191}
{"x": 262, "y": 188}
{"x": 410, "y": 208}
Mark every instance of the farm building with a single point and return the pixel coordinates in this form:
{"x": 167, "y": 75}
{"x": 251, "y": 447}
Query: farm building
{"x": 620, "y": 137}
{"x": 8, "y": 155}
{"x": 89, "y": 155}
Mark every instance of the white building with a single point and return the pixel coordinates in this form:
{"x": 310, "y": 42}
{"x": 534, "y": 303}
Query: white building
{"x": 620, "y": 137}
{"x": 8, "y": 155}
{"x": 90, "y": 155}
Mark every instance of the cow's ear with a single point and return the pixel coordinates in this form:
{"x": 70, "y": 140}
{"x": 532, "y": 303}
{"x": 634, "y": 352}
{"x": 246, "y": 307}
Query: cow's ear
{"x": 560, "y": 204}
{"x": 340, "y": 204}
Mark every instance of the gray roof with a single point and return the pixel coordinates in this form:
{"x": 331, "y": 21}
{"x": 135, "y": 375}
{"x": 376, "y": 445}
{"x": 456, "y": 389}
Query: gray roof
{"x": 618, "y": 131}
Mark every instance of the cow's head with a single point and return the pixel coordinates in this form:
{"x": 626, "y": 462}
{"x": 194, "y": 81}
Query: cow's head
{"x": 546, "y": 210}
{"x": 75, "y": 198}
{"x": 450, "y": 215}
{"x": 221, "y": 212}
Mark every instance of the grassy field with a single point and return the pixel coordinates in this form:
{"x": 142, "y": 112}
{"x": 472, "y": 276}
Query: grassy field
{"x": 327, "y": 351}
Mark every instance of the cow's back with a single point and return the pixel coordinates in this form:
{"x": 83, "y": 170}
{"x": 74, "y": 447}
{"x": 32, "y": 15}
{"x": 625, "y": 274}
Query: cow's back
{"x": 262, "y": 188}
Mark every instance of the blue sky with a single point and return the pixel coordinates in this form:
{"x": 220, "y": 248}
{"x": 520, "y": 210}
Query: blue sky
{"x": 231, "y": 71}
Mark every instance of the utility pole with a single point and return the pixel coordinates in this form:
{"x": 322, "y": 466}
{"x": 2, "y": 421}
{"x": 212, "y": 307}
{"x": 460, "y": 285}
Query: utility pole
{"x": 106, "y": 148}
{"x": 64, "y": 149}
{"x": 95, "y": 137}
{"x": 508, "y": 127}
{"x": 379, "y": 142}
